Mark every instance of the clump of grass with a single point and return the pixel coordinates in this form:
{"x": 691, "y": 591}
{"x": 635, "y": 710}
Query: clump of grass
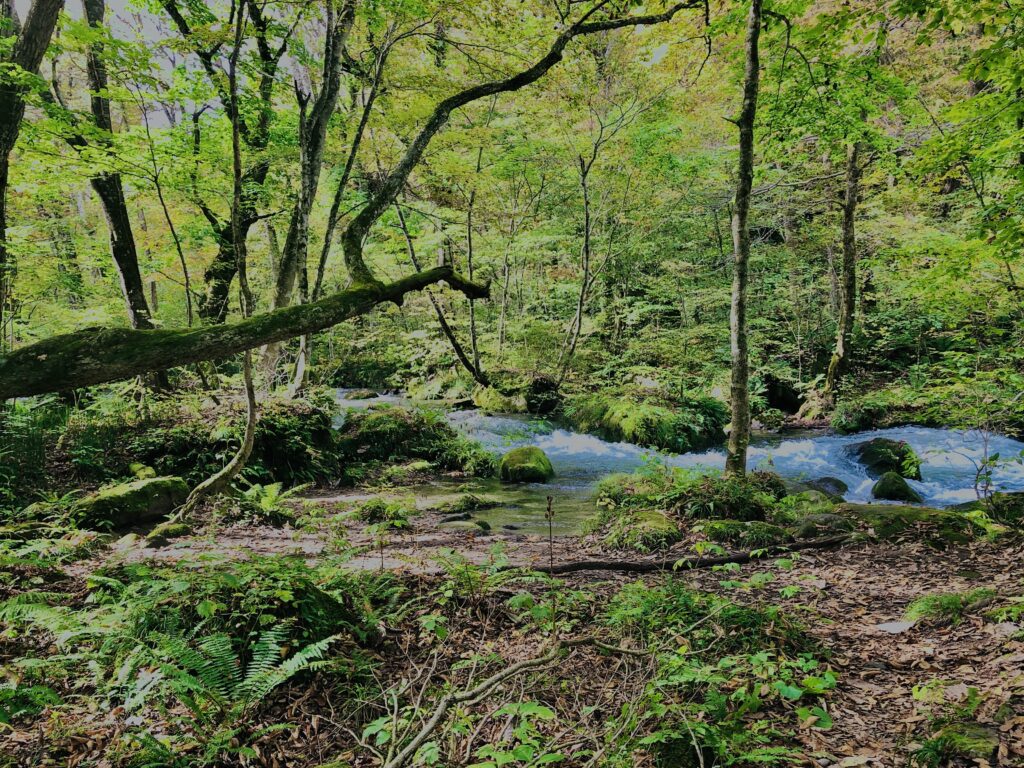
{"x": 378, "y": 510}
{"x": 948, "y": 607}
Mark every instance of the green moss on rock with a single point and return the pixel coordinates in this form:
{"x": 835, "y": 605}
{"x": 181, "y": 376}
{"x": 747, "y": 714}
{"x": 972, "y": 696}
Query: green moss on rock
{"x": 642, "y": 530}
{"x": 491, "y": 400}
{"x": 749, "y": 534}
{"x": 141, "y": 471}
{"x": 164, "y": 532}
{"x": 892, "y": 487}
{"x": 820, "y": 524}
{"x": 937, "y": 526}
{"x": 882, "y": 455}
{"x": 528, "y": 464}
{"x": 128, "y": 504}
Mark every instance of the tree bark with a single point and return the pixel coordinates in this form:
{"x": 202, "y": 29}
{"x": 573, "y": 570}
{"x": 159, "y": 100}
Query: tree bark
{"x": 108, "y": 186}
{"x": 848, "y": 283}
{"x": 739, "y": 390}
{"x": 33, "y": 38}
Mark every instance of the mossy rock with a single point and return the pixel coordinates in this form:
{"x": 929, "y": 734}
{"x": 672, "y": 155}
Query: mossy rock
{"x": 811, "y": 502}
{"x": 140, "y": 501}
{"x": 817, "y": 525}
{"x": 467, "y": 502}
{"x": 750, "y": 534}
{"x": 528, "y": 464}
{"x": 889, "y": 521}
{"x": 882, "y": 455}
{"x": 892, "y": 487}
{"x": 164, "y": 532}
{"x": 643, "y": 530}
{"x": 360, "y": 394}
{"x": 141, "y": 471}
{"x": 833, "y": 487}
{"x": 491, "y": 400}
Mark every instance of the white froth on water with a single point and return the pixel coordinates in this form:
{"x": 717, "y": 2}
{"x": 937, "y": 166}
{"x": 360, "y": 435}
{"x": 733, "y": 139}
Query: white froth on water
{"x": 949, "y": 458}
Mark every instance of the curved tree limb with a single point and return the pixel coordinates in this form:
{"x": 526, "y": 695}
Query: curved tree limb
{"x": 98, "y": 355}
{"x": 357, "y": 229}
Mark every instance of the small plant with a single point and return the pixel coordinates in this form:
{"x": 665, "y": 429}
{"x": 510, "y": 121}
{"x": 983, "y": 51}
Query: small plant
{"x": 949, "y": 608}
{"x": 220, "y": 690}
{"x": 266, "y": 503}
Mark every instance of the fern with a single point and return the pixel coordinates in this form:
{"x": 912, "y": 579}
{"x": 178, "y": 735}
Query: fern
{"x": 208, "y": 678}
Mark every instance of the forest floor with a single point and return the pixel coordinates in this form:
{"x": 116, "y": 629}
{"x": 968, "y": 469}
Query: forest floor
{"x": 851, "y": 599}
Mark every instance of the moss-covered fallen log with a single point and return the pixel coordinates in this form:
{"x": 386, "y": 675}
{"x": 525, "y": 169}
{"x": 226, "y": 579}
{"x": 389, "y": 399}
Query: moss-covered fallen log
{"x": 98, "y": 355}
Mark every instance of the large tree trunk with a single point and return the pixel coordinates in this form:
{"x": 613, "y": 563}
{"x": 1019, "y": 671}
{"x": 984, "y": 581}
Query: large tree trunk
{"x": 848, "y": 282}
{"x": 739, "y": 390}
{"x": 33, "y": 38}
{"x": 108, "y": 186}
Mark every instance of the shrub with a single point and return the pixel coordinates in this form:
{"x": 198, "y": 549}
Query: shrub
{"x": 394, "y": 434}
{"x": 732, "y": 498}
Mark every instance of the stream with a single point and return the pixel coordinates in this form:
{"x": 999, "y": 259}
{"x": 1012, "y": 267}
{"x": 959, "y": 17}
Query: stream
{"x": 948, "y": 464}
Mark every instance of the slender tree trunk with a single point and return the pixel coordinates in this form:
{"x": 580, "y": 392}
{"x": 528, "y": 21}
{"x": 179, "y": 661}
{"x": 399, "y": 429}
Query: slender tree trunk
{"x": 108, "y": 186}
{"x": 739, "y": 434}
{"x": 442, "y": 321}
{"x": 848, "y": 282}
{"x": 576, "y": 327}
{"x": 32, "y": 40}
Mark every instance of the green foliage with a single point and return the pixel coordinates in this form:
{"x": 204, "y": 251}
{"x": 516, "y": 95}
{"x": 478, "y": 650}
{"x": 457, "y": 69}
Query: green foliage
{"x": 393, "y": 514}
{"x": 220, "y": 687}
{"x": 400, "y": 434}
{"x": 751, "y": 535}
{"x": 703, "y": 708}
{"x": 24, "y": 701}
{"x": 733, "y": 498}
{"x": 267, "y": 503}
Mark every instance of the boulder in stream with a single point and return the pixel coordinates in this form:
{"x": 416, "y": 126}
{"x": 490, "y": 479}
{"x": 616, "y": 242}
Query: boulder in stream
{"x": 528, "y": 464}
{"x": 882, "y": 455}
{"x": 830, "y": 486}
{"x": 892, "y": 487}
{"x": 139, "y": 501}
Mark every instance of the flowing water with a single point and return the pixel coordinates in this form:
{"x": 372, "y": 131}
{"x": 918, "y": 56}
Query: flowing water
{"x": 949, "y": 464}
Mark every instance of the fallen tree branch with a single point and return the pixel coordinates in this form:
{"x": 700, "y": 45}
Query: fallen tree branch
{"x": 688, "y": 563}
{"x": 98, "y": 355}
{"x": 485, "y": 687}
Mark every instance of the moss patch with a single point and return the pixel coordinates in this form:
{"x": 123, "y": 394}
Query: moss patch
{"x": 528, "y": 464}
{"x": 938, "y": 526}
{"x": 139, "y": 501}
{"x": 491, "y": 400}
{"x": 883, "y": 455}
{"x": 892, "y": 487}
{"x": 644, "y": 530}
{"x": 751, "y": 534}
